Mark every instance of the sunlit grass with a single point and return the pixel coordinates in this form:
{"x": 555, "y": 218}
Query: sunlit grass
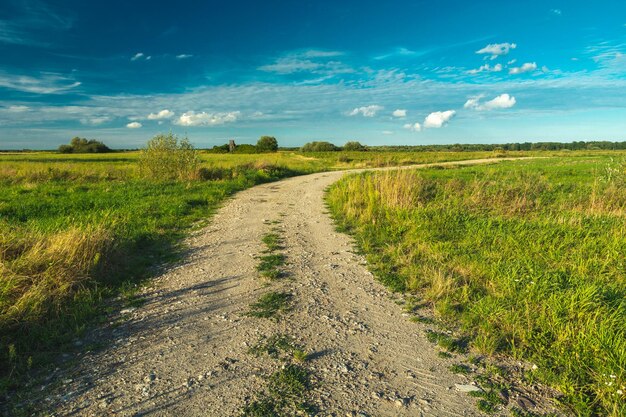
{"x": 526, "y": 257}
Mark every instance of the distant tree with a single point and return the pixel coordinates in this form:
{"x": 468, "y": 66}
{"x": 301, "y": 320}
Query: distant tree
{"x": 319, "y": 147}
{"x": 82, "y": 145}
{"x": 354, "y": 146}
{"x": 267, "y": 144}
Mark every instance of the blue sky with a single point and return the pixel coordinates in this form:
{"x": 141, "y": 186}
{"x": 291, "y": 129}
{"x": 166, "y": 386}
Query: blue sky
{"x": 394, "y": 72}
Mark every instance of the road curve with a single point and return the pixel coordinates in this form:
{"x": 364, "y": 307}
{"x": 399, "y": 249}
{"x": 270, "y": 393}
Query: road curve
{"x": 185, "y": 352}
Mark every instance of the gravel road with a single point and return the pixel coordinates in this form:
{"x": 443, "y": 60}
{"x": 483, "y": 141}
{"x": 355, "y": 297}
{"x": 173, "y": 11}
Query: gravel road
{"x": 185, "y": 352}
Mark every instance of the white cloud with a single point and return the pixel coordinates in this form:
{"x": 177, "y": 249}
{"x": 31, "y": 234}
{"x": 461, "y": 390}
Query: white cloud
{"x": 183, "y": 56}
{"x": 387, "y": 132}
{"x": 290, "y": 65}
{"x": 313, "y": 61}
{"x": 316, "y": 53}
{"x": 95, "y": 121}
{"x": 527, "y": 67}
{"x": 497, "y": 49}
{"x": 437, "y": 119}
{"x": 399, "y": 113}
{"x": 415, "y": 127}
{"x": 503, "y": 101}
{"x": 18, "y": 109}
{"x": 46, "y": 83}
{"x": 557, "y": 12}
{"x": 140, "y": 55}
{"x": 163, "y": 114}
{"x": 192, "y": 118}
{"x": 486, "y": 67}
{"x": 366, "y": 111}
{"x": 134, "y": 125}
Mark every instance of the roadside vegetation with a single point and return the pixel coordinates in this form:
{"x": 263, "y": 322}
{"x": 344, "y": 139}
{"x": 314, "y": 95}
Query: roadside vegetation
{"x": 524, "y": 258}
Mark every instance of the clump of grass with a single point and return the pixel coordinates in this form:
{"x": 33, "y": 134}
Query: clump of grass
{"x": 273, "y": 241}
{"x": 269, "y": 265}
{"x": 271, "y": 304}
{"x": 491, "y": 397}
{"x": 447, "y": 342}
{"x": 460, "y": 369}
{"x": 277, "y": 344}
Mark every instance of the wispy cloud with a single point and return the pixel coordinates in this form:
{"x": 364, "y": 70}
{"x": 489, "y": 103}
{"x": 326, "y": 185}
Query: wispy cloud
{"x": 311, "y": 61}
{"x": 96, "y": 121}
{"x": 46, "y": 83}
{"x": 30, "y": 21}
{"x": 183, "y": 56}
{"x": 140, "y": 56}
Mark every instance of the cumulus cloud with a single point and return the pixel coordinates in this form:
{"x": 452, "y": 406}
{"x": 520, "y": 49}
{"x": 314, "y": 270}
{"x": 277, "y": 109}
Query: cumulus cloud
{"x": 183, "y": 56}
{"x": 192, "y": 118}
{"x": 487, "y": 68}
{"x": 399, "y": 113}
{"x": 503, "y": 101}
{"x": 134, "y": 125}
{"x": 366, "y": 111}
{"x": 527, "y": 67}
{"x": 438, "y": 119}
{"x": 163, "y": 114}
{"x": 140, "y": 56}
{"x": 497, "y": 49}
{"x": 414, "y": 127}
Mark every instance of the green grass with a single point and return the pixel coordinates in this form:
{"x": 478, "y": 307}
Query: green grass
{"x": 288, "y": 389}
{"x": 269, "y": 265}
{"x": 526, "y": 258}
{"x": 78, "y": 229}
{"x": 273, "y": 241}
{"x": 271, "y": 305}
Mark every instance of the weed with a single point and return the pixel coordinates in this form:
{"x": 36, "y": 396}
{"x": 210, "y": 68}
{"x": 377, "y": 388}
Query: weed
{"x": 274, "y": 345}
{"x": 270, "y": 305}
{"x": 269, "y": 265}
{"x": 460, "y": 369}
{"x": 446, "y": 341}
{"x": 273, "y": 242}
{"x": 443, "y": 354}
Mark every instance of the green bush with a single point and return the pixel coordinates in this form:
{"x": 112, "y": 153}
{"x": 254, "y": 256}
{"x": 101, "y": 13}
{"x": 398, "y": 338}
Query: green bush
{"x": 165, "y": 157}
{"x": 267, "y": 144}
{"x": 319, "y": 147}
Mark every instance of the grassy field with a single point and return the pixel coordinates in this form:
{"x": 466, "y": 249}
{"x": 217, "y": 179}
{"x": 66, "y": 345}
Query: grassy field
{"x": 526, "y": 257}
{"x": 78, "y": 229}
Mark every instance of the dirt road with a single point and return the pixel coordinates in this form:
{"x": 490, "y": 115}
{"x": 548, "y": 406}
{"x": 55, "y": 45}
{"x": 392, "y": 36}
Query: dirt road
{"x": 185, "y": 352}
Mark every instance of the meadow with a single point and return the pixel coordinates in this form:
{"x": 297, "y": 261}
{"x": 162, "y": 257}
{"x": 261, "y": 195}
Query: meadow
{"x": 524, "y": 258}
{"x": 77, "y": 230}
